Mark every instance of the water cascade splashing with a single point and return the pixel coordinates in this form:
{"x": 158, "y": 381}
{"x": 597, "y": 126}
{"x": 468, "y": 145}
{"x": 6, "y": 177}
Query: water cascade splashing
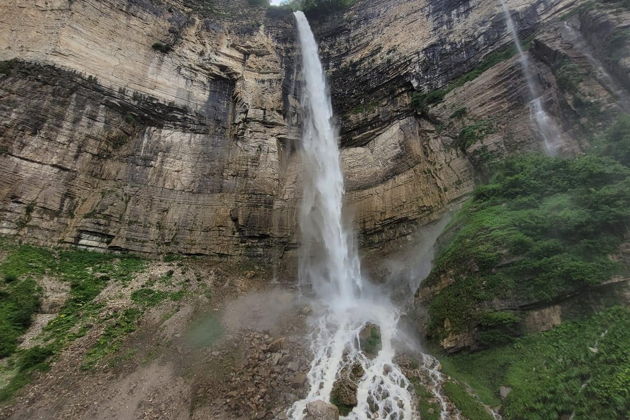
{"x": 327, "y": 261}
{"x": 345, "y": 303}
{"x": 547, "y": 128}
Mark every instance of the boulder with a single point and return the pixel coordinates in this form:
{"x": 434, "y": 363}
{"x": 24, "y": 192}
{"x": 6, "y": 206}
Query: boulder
{"x": 321, "y": 410}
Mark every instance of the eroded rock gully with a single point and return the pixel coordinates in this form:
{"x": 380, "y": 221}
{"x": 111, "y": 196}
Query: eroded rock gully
{"x": 171, "y": 126}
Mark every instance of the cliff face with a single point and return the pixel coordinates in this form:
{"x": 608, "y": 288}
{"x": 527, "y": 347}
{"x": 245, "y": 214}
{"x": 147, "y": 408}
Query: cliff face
{"x": 171, "y": 127}
{"x": 111, "y": 140}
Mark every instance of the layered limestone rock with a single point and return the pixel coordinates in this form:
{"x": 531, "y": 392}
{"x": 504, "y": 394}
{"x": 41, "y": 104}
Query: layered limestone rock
{"x": 172, "y": 126}
{"x": 144, "y": 126}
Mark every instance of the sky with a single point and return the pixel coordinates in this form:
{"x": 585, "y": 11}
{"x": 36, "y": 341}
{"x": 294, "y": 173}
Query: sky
{"x": 276, "y": 1}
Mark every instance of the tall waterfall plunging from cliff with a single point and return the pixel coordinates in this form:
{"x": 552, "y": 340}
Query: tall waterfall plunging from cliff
{"x": 345, "y": 304}
{"x": 547, "y": 127}
{"x": 327, "y": 261}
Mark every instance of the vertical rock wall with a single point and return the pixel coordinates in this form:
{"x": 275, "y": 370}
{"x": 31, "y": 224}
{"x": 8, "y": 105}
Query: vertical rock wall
{"x": 172, "y": 126}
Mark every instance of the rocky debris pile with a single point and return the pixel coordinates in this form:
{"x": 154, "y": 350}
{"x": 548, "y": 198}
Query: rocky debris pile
{"x": 266, "y": 374}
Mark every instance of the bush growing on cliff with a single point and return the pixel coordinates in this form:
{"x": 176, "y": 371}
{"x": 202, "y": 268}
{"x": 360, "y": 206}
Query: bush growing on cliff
{"x": 162, "y": 47}
{"x": 421, "y": 102}
{"x": 617, "y": 140}
{"x": 473, "y": 133}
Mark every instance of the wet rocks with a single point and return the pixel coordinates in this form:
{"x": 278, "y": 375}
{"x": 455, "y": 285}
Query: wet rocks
{"x": 370, "y": 340}
{"x": 321, "y": 410}
{"x": 344, "y": 392}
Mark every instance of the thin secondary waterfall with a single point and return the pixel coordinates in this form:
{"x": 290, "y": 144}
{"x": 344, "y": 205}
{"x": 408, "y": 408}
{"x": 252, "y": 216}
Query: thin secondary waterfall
{"x": 345, "y": 304}
{"x": 547, "y": 127}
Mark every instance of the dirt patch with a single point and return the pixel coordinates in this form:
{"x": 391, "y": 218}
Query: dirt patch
{"x": 39, "y": 321}
{"x": 252, "y": 375}
{"x": 268, "y": 310}
{"x": 151, "y": 392}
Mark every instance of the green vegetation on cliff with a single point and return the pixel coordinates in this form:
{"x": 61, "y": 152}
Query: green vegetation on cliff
{"x": 19, "y": 299}
{"x": 541, "y": 228}
{"x": 421, "y": 102}
{"x": 579, "y": 369}
{"x": 86, "y": 274}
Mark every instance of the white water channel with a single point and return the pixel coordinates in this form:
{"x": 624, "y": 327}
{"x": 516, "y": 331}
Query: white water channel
{"x": 345, "y": 303}
{"x": 547, "y": 127}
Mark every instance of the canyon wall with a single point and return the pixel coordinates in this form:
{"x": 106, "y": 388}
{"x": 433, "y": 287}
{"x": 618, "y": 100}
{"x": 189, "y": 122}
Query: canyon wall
{"x": 173, "y": 126}
{"x": 143, "y": 126}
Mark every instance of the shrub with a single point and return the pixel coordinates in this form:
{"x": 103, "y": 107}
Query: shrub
{"x": 578, "y": 367}
{"x": 421, "y": 102}
{"x": 19, "y": 300}
{"x": 34, "y": 358}
{"x": 473, "y": 133}
{"x": 617, "y": 139}
{"x": 459, "y": 113}
{"x": 569, "y": 75}
{"x": 162, "y": 47}
{"x": 10, "y": 277}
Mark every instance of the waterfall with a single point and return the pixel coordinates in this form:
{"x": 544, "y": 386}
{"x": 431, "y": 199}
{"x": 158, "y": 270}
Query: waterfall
{"x": 345, "y": 303}
{"x": 546, "y": 126}
{"x": 327, "y": 261}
